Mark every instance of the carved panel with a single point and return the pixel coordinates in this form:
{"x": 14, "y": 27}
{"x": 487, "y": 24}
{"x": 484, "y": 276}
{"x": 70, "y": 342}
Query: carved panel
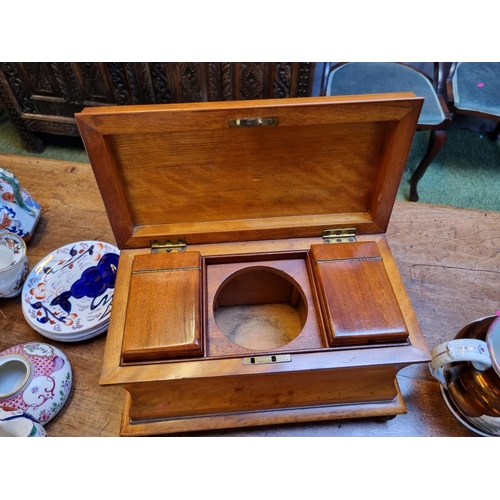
{"x": 119, "y": 82}
{"x": 91, "y": 81}
{"x": 32, "y": 143}
{"x": 162, "y": 82}
{"x": 220, "y": 81}
{"x": 251, "y": 75}
{"x": 140, "y": 84}
{"x": 52, "y": 127}
{"x": 63, "y": 88}
{"x": 68, "y": 86}
{"x": 214, "y": 82}
{"x": 57, "y": 107}
{"x": 305, "y": 79}
{"x": 190, "y": 82}
{"x": 59, "y": 89}
{"x": 21, "y": 92}
{"x": 282, "y": 79}
{"x": 226, "y": 79}
{"x": 39, "y": 79}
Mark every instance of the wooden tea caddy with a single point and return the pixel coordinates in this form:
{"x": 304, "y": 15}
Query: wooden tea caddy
{"x": 255, "y": 284}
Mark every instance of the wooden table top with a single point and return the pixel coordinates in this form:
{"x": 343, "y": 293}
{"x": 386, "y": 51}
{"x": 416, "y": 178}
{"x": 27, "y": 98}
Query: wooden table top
{"x": 448, "y": 259}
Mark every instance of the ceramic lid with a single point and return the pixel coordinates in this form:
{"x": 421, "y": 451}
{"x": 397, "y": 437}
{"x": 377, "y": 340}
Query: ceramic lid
{"x": 249, "y": 170}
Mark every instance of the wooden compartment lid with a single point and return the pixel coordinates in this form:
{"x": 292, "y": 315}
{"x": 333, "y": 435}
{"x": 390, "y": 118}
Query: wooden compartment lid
{"x": 249, "y": 170}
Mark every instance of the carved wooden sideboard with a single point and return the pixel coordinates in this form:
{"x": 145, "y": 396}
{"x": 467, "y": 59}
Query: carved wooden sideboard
{"x": 42, "y": 98}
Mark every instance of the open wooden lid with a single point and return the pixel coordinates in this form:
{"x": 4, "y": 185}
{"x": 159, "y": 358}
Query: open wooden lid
{"x": 249, "y": 170}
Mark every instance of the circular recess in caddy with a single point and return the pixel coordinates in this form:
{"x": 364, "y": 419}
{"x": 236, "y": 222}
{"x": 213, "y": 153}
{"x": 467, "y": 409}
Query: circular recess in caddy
{"x": 260, "y": 308}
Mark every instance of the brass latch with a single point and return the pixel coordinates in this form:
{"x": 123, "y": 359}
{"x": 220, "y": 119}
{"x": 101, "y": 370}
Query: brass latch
{"x": 168, "y": 246}
{"x": 339, "y": 235}
{"x": 263, "y": 360}
{"x": 253, "y": 122}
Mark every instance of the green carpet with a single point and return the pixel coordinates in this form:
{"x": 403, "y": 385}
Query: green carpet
{"x": 465, "y": 174}
{"x": 61, "y": 148}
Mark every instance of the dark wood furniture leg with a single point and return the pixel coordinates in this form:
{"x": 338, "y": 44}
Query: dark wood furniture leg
{"x": 436, "y": 142}
{"x": 495, "y": 133}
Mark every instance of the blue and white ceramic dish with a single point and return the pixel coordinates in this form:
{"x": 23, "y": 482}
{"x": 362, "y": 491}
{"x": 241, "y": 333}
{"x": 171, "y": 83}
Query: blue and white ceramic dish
{"x": 68, "y": 295}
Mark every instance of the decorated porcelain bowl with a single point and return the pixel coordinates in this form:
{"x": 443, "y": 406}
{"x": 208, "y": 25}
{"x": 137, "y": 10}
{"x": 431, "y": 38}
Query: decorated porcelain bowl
{"x": 35, "y": 378}
{"x": 17, "y": 423}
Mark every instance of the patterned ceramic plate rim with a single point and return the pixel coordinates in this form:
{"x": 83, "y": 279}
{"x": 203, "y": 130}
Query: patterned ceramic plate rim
{"x": 87, "y": 334}
{"x": 82, "y": 335}
{"x": 59, "y": 308}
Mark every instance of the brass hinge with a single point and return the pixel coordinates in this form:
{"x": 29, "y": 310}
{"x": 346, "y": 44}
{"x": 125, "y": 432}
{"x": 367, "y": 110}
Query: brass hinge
{"x": 168, "y": 246}
{"x": 339, "y": 235}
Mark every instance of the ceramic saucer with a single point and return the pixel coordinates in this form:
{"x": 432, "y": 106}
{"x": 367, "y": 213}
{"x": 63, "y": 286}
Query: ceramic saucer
{"x": 68, "y": 295}
{"x": 77, "y": 337}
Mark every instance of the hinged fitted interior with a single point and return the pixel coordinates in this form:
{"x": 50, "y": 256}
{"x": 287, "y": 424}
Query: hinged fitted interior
{"x": 261, "y": 303}
{"x": 255, "y": 285}
{"x": 182, "y": 172}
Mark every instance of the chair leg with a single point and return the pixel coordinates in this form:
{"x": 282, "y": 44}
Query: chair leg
{"x": 495, "y": 133}
{"x": 436, "y": 142}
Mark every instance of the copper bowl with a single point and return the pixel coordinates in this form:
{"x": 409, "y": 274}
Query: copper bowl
{"x": 469, "y": 372}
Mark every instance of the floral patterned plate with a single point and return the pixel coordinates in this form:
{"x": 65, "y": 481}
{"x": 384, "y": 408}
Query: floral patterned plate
{"x": 77, "y": 337}
{"x": 68, "y": 295}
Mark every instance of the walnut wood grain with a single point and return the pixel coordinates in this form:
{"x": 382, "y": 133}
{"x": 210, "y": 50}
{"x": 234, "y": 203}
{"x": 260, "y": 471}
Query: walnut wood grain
{"x": 164, "y": 307}
{"x": 448, "y": 259}
{"x": 250, "y": 394}
{"x": 180, "y": 171}
{"x": 357, "y": 297}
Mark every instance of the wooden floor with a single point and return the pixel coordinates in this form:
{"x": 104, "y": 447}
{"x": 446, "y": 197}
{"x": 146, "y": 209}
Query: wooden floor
{"x": 449, "y": 260}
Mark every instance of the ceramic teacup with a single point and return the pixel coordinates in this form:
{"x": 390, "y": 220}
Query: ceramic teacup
{"x": 13, "y": 264}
